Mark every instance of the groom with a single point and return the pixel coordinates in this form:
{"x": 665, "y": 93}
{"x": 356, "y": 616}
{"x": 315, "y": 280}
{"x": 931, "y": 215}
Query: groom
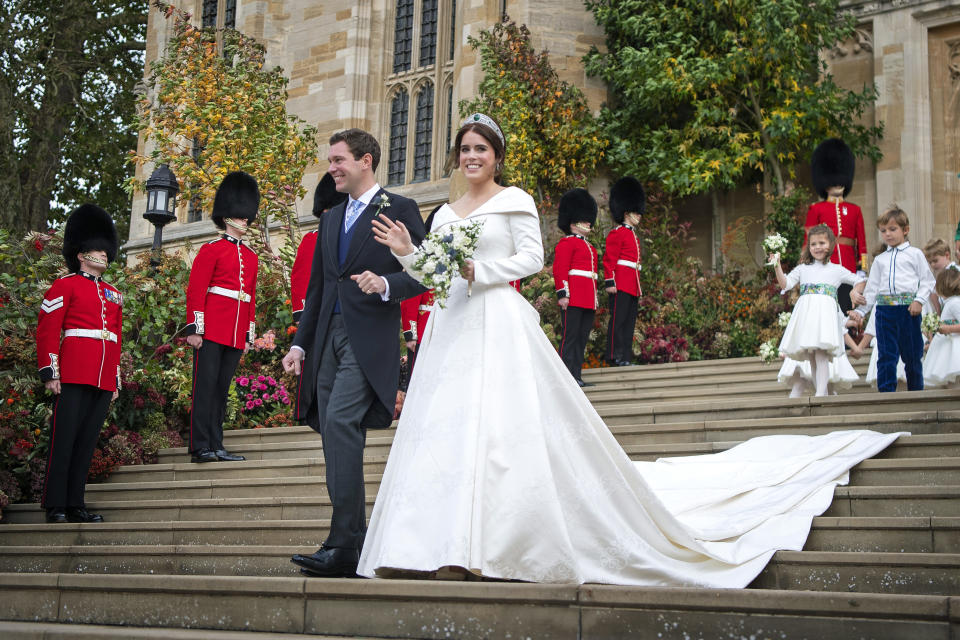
{"x": 347, "y": 344}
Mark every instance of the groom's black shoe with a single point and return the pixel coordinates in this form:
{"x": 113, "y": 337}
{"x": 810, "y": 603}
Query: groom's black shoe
{"x": 203, "y": 455}
{"x": 329, "y": 562}
{"x": 225, "y": 456}
{"x": 584, "y": 384}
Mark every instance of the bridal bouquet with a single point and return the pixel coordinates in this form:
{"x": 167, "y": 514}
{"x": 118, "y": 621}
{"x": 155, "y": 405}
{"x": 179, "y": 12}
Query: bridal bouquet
{"x": 774, "y": 244}
{"x": 442, "y": 255}
{"x": 930, "y": 323}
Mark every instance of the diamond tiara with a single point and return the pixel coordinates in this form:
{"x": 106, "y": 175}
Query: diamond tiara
{"x": 485, "y": 120}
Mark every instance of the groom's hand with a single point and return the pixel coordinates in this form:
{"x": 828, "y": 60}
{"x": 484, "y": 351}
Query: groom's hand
{"x": 369, "y": 282}
{"x": 291, "y": 361}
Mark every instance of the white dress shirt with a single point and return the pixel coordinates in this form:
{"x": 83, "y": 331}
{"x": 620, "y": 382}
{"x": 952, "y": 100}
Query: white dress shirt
{"x": 898, "y": 270}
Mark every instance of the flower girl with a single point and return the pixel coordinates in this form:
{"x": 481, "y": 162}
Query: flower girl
{"x": 815, "y": 331}
{"x": 941, "y": 365}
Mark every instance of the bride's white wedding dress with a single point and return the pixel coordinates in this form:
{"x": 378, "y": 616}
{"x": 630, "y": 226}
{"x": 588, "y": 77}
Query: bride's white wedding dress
{"x": 502, "y": 466}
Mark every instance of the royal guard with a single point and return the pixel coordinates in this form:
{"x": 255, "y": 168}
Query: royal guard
{"x": 221, "y": 298}
{"x": 78, "y": 354}
{"x": 832, "y": 167}
{"x": 325, "y": 197}
{"x": 575, "y": 272}
{"x": 415, "y": 311}
{"x": 621, "y": 268}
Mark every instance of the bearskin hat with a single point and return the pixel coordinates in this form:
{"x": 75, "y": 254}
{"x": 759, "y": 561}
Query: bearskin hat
{"x": 88, "y": 228}
{"x": 326, "y": 195}
{"x": 576, "y": 205}
{"x": 627, "y": 196}
{"x": 832, "y": 165}
{"x": 237, "y": 197}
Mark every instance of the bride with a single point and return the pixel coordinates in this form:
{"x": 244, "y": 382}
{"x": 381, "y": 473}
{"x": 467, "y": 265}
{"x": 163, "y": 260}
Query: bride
{"x": 502, "y": 467}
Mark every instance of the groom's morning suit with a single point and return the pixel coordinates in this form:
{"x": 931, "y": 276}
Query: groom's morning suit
{"x": 351, "y": 366}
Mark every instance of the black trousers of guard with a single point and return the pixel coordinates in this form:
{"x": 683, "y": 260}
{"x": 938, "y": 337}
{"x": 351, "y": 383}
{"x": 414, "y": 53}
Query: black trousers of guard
{"x": 213, "y": 367}
{"x": 623, "y": 320}
{"x": 577, "y": 323}
{"x": 343, "y": 398}
{"x": 78, "y": 415}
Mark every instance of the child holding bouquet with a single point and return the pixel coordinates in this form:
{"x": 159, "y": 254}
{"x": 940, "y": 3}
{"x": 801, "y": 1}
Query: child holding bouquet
{"x": 941, "y": 365}
{"x": 815, "y": 331}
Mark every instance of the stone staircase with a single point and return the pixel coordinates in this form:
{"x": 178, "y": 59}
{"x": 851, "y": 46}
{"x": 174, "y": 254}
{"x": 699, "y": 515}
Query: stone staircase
{"x": 189, "y": 548}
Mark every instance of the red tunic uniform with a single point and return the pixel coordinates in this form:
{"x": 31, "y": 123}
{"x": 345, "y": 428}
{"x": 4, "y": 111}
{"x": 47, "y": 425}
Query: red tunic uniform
{"x": 300, "y": 277}
{"x": 621, "y": 260}
{"x": 575, "y": 265}
{"x": 88, "y": 313}
{"x": 846, "y": 221}
{"x": 414, "y": 313}
{"x": 221, "y": 296}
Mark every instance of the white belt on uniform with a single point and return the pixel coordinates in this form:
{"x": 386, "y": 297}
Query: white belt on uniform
{"x": 242, "y": 296}
{"x": 425, "y": 307}
{"x": 627, "y": 263}
{"x": 91, "y": 333}
{"x": 582, "y": 272}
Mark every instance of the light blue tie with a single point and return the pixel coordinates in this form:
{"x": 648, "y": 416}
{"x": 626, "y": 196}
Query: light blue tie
{"x": 356, "y": 208}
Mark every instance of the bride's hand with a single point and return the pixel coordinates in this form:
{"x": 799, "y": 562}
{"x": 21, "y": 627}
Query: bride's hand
{"x": 393, "y": 234}
{"x": 467, "y": 271}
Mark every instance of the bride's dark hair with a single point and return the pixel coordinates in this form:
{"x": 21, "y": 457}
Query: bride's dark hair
{"x": 499, "y": 149}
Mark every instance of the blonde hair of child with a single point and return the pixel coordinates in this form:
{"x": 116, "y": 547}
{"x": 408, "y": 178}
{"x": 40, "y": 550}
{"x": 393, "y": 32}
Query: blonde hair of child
{"x": 936, "y": 247}
{"x": 896, "y": 214}
{"x": 820, "y": 230}
{"x": 948, "y": 283}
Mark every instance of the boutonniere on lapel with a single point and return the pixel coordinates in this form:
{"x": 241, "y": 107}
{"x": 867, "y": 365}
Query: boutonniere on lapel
{"x": 383, "y": 203}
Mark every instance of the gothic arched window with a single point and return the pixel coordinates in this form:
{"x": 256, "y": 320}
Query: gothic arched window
{"x": 428, "y": 33}
{"x": 397, "y": 163}
{"x": 403, "y": 36}
{"x": 419, "y": 83}
{"x": 423, "y": 142}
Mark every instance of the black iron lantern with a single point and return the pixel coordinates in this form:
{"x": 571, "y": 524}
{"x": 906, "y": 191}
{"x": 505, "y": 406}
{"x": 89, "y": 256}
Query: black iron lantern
{"x": 162, "y": 190}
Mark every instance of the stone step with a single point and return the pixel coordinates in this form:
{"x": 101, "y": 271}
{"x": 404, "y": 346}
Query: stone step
{"x": 302, "y": 442}
{"x": 717, "y": 376}
{"x": 872, "y": 501}
{"x": 763, "y": 389}
{"x": 692, "y": 368}
{"x": 917, "y": 446}
{"x": 863, "y": 572}
{"x": 945, "y": 445}
{"x": 877, "y": 472}
{"x": 903, "y": 535}
{"x": 438, "y": 609}
{"x": 867, "y": 572}
{"x": 906, "y": 535}
{"x": 829, "y": 408}
{"x": 67, "y": 631}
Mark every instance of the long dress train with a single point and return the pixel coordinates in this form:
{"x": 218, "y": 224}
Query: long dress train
{"x": 502, "y": 466}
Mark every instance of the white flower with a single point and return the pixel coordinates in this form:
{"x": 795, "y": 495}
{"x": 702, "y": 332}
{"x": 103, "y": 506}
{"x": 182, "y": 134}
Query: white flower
{"x": 429, "y": 267}
{"x": 784, "y": 319}
{"x": 930, "y": 323}
{"x": 768, "y": 351}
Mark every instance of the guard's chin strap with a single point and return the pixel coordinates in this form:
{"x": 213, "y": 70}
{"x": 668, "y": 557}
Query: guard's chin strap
{"x": 236, "y": 225}
{"x": 94, "y": 259}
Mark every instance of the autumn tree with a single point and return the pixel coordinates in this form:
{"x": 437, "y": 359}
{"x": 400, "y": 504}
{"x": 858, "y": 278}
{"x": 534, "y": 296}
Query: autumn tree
{"x": 553, "y": 141}
{"x": 67, "y": 75}
{"x": 707, "y": 96}
{"x": 212, "y": 108}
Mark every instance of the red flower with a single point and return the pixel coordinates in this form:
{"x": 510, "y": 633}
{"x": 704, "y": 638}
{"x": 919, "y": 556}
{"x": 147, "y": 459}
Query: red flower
{"x": 291, "y": 330}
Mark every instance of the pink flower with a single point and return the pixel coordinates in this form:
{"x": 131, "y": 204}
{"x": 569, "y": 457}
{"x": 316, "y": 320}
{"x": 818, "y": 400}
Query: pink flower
{"x": 243, "y": 381}
{"x": 286, "y": 400}
{"x": 258, "y": 402}
{"x": 271, "y": 381}
{"x": 249, "y": 396}
{"x": 261, "y": 378}
{"x": 266, "y": 396}
{"x": 249, "y": 405}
